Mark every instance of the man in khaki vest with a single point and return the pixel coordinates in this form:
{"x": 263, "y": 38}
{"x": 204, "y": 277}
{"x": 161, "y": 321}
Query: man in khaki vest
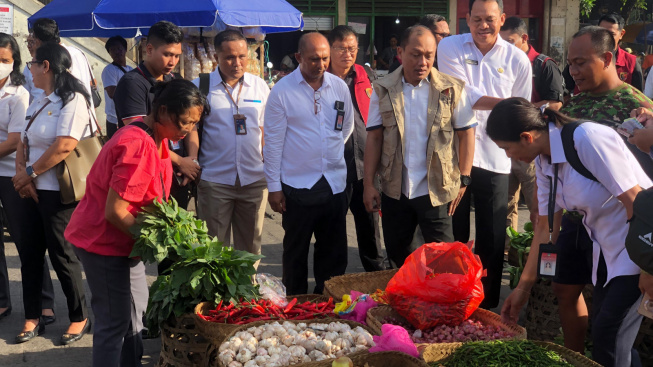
{"x": 414, "y": 114}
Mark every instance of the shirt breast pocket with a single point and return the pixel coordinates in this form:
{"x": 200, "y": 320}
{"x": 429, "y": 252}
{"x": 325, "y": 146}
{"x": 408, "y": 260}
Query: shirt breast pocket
{"x": 503, "y": 85}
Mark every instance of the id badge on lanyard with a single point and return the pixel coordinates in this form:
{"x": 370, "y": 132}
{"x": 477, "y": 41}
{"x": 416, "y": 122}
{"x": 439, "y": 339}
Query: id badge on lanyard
{"x": 547, "y": 260}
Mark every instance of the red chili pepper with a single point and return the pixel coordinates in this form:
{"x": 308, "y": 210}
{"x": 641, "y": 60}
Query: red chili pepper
{"x": 290, "y": 305}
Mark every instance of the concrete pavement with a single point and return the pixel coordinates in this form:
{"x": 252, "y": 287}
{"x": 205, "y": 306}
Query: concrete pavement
{"x": 45, "y": 350}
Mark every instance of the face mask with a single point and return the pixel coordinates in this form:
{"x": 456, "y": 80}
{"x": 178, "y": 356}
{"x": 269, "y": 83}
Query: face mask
{"x": 5, "y": 70}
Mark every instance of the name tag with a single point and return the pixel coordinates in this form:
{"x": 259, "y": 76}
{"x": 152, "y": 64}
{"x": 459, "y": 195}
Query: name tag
{"x": 174, "y": 144}
{"x": 471, "y": 62}
{"x": 252, "y": 100}
{"x": 28, "y": 117}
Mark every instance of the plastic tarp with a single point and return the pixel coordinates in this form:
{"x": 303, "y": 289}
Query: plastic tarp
{"x": 104, "y": 18}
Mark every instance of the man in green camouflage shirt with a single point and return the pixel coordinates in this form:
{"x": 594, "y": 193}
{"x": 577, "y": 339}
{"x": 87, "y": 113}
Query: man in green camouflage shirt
{"x": 605, "y": 99}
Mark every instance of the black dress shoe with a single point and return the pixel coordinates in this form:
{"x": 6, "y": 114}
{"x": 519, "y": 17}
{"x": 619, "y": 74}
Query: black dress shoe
{"x": 29, "y": 335}
{"x": 6, "y": 313}
{"x": 49, "y": 319}
{"x": 67, "y": 339}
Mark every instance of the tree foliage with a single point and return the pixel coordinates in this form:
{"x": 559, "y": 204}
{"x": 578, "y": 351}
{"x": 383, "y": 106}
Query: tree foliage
{"x": 625, "y": 8}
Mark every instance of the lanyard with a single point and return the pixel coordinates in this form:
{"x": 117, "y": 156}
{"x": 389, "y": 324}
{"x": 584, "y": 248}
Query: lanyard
{"x": 240, "y": 89}
{"x": 552, "y": 198}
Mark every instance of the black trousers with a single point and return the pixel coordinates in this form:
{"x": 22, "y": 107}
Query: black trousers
{"x": 490, "y": 190}
{"x": 42, "y": 227}
{"x": 11, "y": 202}
{"x": 400, "y": 219}
{"x": 368, "y": 233}
{"x": 327, "y": 222}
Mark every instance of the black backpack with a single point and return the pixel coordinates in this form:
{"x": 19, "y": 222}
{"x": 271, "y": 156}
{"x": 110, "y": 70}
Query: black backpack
{"x": 639, "y": 243}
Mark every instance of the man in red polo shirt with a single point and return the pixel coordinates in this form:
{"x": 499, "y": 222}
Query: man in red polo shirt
{"x": 628, "y": 69}
{"x": 344, "y": 48}
{"x": 548, "y": 87}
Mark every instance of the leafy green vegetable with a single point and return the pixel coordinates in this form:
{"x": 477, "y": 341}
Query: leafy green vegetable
{"x": 522, "y": 243}
{"x": 500, "y": 353}
{"x": 164, "y": 230}
{"x": 203, "y": 269}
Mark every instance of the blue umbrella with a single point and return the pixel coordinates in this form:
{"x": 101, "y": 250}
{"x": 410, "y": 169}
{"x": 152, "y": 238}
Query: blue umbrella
{"x": 102, "y": 18}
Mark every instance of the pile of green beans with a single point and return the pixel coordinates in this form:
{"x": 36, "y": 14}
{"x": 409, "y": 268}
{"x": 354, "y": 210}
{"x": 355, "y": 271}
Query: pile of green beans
{"x": 500, "y": 353}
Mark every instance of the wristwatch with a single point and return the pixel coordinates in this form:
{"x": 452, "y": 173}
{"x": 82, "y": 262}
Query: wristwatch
{"x": 30, "y": 172}
{"x": 465, "y": 180}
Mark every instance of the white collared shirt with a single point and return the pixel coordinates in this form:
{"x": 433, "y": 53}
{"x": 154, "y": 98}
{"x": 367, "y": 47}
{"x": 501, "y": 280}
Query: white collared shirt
{"x": 414, "y": 181}
{"x": 71, "y": 120}
{"x": 604, "y": 154}
{"x": 14, "y": 100}
{"x": 301, "y": 146}
{"x": 503, "y": 72}
{"x": 110, "y": 77}
{"x": 224, "y": 154}
{"x": 34, "y": 93}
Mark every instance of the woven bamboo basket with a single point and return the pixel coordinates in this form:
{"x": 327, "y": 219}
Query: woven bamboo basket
{"x": 212, "y": 354}
{"x": 376, "y": 315}
{"x": 386, "y": 359}
{"x": 367, "y": 283}
{"x": 644, "y": 342}
{"x": 182, "y": 345}
{"x": 542, "y": 320}
{"x": 439, "y": 352}
{"x": 216, "y": 332}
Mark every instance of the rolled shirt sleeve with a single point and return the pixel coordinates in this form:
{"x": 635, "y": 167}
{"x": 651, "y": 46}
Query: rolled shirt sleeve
{"x": 276, "y": 123}
{"x": 374, "y": 120}
{"x": 74, "y": 119}
{"x": 463, "y": 117}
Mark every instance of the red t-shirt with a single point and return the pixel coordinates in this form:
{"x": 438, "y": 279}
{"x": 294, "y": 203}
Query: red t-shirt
{"x": 129, "y": 164}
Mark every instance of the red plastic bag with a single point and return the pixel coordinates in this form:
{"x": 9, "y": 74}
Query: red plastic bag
{"x": 439, "y": 283}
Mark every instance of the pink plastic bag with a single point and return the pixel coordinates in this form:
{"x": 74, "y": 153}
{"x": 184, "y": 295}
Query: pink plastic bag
{"x": 363, "y": 303}
{"x": 394, "y": 338}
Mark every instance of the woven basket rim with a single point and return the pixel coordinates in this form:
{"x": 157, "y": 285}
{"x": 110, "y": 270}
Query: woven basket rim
{"x": 368, "y": 282}
{"x": 441, "y": 351}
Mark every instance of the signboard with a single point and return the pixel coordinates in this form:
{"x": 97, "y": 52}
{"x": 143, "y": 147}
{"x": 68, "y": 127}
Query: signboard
{"x": 7, "y": 18}
{"x": 359, "y": 28}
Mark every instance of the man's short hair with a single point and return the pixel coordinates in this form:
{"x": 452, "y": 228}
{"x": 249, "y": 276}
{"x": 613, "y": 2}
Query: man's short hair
{"x": 115, "y": 41}
{"x": 164, "y": 33}
{"x": 601, "y": 38}
{"x": 415, "y": 29}
{"x": 515, "y": 25}
{"x": 229, "y": 35}
{"x": 431, "y": 21}
{"x": 499, "y": 2}
{"x": 339, "y": 33}
{"x": 613, "y": 18}
{"x": 46, "y": 30}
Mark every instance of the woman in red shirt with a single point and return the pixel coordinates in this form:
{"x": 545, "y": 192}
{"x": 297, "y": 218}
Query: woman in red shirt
{"x": 132, "y": 170}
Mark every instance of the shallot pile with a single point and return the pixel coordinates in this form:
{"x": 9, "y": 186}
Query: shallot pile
{"x": 469, "y": 330}
{"x": 275, "y": 345}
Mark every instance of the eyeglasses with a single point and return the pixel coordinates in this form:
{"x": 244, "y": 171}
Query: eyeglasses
{"x": 30, "y": 63}
{"x": 443, "y": 35}
{"x": 343, "y": 50}
{"x": 316, "y": 98}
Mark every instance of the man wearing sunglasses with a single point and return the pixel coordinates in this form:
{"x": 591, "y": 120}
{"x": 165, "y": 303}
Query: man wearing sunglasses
{"x": 344, "y": 48}
{"x": 308, "y": 118}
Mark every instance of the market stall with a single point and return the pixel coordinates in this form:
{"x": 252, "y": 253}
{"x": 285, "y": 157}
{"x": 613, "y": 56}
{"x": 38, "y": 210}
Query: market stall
{"x": 200, "y": 19}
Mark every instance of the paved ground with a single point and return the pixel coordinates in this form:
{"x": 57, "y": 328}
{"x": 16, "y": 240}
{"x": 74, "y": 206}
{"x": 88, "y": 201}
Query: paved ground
{"x": 45, "y": 350}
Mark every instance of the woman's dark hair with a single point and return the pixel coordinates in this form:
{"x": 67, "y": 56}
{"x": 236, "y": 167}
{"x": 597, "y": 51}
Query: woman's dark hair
{"x": 178, "y": 95}
{"x": 65, "y": 84}
{"x": 513, "y": 116}
{"x": 7, "y": 41}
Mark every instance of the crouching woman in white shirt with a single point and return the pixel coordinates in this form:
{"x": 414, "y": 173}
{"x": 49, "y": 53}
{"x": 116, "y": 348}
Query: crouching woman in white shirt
{"x": 528, "y": 134}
